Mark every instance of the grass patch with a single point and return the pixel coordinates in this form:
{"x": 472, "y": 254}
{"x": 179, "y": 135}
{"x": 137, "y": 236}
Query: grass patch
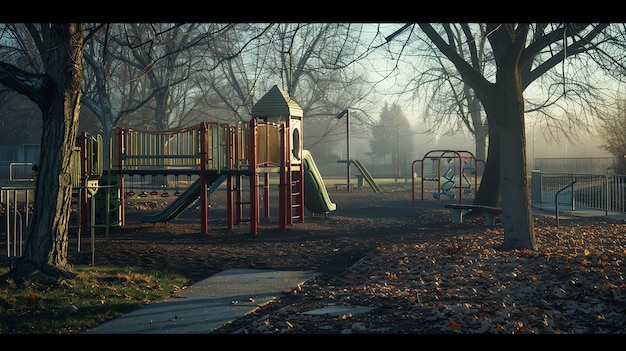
{"x": 96, "y": 295}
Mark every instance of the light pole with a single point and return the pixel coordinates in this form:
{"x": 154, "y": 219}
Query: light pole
{"x": 533, "y": 146}
{"x": 347, "y": 114}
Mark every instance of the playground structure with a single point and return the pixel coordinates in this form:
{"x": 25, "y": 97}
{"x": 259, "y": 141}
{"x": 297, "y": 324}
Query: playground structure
{"x": 270, "y": 143}
{"x": 454, "y": 177}
{"x": 214, "y": 153}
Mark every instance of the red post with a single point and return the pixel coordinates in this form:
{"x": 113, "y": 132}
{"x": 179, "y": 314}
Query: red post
{"x": 229, "y": 202}
{"x": 204, "y": 205}
{"x": 283, "y": 182}
{"x": 266, "y": 195}
{"x": 254, "y": 189}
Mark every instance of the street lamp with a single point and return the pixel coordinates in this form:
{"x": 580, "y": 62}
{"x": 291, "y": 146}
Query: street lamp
{"x": 347, "y": 114}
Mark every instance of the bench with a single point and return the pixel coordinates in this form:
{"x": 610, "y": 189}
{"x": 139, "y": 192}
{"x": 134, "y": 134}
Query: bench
{"x": 359, "y": 180}
{"x": 490, "y": 213}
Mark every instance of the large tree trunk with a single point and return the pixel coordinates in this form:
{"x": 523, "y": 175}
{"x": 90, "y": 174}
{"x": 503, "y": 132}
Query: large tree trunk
{"x": 45, "y": 256}
{"x": 504, "y": 104}
{"x": 517, "y": 218}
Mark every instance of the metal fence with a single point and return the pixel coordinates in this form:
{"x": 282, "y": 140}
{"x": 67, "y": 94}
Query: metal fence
{"x": 16, "y": 206}
{"x": 576, "y": 164}
{"x": 578, "y": 191}
{"x": 571, "y": 191}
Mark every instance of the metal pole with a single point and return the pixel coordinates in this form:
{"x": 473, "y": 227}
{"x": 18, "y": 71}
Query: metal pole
{"x": 348, "y": 149}
{"x": 556, "y": 199}
{"x": 341, "y": 114}
{"x": 93, "y": 227}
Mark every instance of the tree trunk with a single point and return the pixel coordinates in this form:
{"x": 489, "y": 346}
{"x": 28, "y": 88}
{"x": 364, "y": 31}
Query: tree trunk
{"x": 480, "y": 131}
{"x": 481, "y": 134}
{"x": 45, "y": 256}
{"x": 488, "y": 193}
{"x": 517, "y": 218}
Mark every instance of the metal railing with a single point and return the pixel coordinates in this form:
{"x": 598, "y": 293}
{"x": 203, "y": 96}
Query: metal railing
{"x": 16, "y": 203}
{"x": 590, "y": 191}
{"x": 556, "y": 199}
{"x": 576, "y": 191}
{"x": 16, "y": 206}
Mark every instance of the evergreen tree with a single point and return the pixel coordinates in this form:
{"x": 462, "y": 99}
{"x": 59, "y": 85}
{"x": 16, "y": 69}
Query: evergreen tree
{"x": 393, "y": 136}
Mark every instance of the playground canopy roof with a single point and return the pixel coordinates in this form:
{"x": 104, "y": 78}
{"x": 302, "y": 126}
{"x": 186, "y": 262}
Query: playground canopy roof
{"x": 276, "y": 103}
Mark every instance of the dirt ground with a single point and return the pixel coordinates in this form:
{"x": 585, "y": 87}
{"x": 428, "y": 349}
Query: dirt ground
{"x": 327, "y": 244}
{"x": 419, "y": 272}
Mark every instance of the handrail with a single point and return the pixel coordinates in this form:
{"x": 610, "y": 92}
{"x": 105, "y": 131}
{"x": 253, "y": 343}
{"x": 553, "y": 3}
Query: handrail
{"x": 556, "y": 202}
{"x": 23, "y": 223}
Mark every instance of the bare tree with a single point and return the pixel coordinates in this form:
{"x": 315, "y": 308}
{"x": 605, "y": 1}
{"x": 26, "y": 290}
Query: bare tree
{"x": 521, "y": 54}
{"x": 161, "y": 58}
{"x": 450, "y": 105}
{"x": 308, "y": 60}
{"x": 319, "y": 68}
{"x": 234, "y": 77}
{"x": 19, "y": 118}
{"x": 138, "y": 75}
{"x": 55, "y": 88}
{"x": 612, "y": 128}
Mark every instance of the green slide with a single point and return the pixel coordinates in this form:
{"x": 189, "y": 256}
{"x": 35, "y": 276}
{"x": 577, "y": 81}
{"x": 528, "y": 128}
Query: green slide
{"x": 316, "y": 197}
{"x": 183, "y": 201}
{"x": 367, "y": 176}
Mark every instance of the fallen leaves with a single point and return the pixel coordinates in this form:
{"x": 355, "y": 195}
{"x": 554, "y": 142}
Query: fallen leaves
{"x": 466, "y": 285}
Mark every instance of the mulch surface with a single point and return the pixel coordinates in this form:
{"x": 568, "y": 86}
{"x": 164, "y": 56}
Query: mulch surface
{"x": 418, "y": 271}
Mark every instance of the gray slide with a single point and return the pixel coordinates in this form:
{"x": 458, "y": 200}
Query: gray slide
{"x": 183, "y": 201}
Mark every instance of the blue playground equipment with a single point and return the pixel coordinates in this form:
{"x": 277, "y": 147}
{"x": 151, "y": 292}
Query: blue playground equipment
{"x": 449, "y": 184}
{"x": 447, "y": 181}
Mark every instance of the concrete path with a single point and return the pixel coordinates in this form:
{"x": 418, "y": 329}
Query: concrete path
{"x": 208, "y": 304}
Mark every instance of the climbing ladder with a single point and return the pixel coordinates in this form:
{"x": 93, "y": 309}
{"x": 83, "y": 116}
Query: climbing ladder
{"x": 237, "y": 201}
{"x": 297, "y": 192}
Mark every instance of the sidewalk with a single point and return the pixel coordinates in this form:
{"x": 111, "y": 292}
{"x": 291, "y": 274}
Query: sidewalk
{"x": 208, "y": 304}
{"x": 549, "y": 209}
